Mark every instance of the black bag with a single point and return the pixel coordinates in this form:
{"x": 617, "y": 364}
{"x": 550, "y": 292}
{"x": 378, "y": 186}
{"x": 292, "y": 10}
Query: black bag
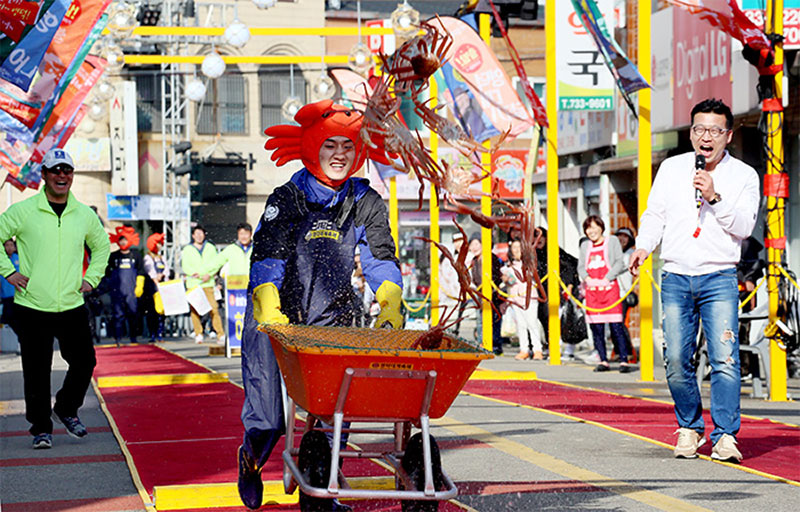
{"x": 632, "y": 300}
{"x": 573, "y": 323}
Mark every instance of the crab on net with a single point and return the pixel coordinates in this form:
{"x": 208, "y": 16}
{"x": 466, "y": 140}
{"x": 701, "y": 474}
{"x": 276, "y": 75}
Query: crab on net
{"x": 432, "y": 338}
{"x": 418, "y": 58}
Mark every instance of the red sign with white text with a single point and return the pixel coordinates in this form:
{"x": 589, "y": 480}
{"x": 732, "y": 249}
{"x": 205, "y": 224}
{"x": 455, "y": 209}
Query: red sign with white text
{"x": 701, "y": 65}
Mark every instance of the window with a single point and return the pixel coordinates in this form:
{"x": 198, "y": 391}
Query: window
{"x": 224, "y": 109}
{"x": 275, "y": 86}
{"x": 148, "y": 99}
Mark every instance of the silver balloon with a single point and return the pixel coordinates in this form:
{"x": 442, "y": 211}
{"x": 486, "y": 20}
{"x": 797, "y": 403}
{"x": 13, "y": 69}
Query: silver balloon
{"x": 97, "y": 110}
{"x": 213, "y": 66}
{"x": 290, "y": 107}
{"x": 104, "y": 89}
{"x": 115, "y": 57}
{"x": 195, "y": 89}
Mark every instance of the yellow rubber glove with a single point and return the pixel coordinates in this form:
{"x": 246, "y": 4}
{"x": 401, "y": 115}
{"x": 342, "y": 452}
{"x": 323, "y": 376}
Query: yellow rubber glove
{"x": 139, "y": 290}
{"x": 267, "y": 305}
{"x": 158, "y": 304}
{"x": 389, "y": 296}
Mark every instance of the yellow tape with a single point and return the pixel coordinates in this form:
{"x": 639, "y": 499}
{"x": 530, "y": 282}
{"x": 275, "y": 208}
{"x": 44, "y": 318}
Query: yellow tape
{"x": 652, "y": 280}
{"x": 424, "y": 301}
{"x": 596, "y": 310}
{"x": 747, "y": 299}
{"x": 786, "y": 274}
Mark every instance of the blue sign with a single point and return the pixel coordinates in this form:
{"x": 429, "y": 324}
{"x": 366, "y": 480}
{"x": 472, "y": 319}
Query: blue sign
{"x": 235, "y": 304}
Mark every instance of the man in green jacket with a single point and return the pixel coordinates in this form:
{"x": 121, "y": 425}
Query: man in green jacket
{"x": 52, "y": 229}
{"x": 236, "y": 255}
{"x": 196, "y": 258}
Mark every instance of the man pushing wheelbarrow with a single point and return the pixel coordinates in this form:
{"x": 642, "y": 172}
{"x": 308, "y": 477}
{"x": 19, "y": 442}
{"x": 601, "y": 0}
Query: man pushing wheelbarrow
{"x": 303, "y": 257}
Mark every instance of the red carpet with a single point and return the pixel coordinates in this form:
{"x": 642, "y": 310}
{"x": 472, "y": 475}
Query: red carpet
{"x": 188, "y": 433}
{"x": 765, "y": 445}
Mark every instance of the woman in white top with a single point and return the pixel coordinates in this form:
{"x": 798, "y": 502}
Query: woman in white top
{"x": 525, "y": 318}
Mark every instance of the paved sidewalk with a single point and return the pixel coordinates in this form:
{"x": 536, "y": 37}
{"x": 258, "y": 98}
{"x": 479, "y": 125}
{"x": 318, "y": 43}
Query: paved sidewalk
{"x": 503, "y": 457}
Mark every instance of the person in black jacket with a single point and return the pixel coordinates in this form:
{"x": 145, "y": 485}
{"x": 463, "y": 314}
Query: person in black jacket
{"x": 568, "y": 270}
{"x": 125, "y": 282}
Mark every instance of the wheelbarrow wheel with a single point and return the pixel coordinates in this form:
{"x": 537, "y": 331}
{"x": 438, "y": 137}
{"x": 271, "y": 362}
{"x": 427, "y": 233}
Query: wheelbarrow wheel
{"x": 314, "y": 462}
{"x": 413, "y": 463}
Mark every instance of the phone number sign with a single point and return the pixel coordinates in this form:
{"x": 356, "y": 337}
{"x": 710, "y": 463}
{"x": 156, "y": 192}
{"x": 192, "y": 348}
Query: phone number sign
{"x": 754, "y": 10}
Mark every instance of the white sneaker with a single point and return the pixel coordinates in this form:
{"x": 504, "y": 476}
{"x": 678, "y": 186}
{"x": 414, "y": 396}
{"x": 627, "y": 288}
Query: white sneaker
{"x": 212, "y": 335}
{"x": 726, "y": 449}
{"x": 199, "y": 338}
{"x": 688, "y": 443}
{"x": 221, "y": 340}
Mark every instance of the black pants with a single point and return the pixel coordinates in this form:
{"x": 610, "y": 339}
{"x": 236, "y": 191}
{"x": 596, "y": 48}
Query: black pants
{"x": 125, "y": 309}
{"x": 36, "y": 331}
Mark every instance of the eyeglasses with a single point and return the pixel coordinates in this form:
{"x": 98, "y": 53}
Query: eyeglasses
{"x": 714, "y": 131}
{"x": 65, "y": 171}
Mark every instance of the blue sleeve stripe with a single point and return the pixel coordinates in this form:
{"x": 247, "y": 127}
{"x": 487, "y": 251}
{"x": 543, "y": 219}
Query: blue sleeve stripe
{"x": 267, "y": 270}
{"x": 377, "y": 271}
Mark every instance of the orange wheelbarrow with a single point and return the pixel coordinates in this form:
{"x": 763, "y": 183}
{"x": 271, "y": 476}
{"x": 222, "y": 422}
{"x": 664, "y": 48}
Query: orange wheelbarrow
{"x": 340, "y": 374}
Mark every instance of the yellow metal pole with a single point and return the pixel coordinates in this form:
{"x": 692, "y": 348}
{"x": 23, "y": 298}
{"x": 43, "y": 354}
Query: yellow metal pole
{"x": 394, "y": 215}
{"x": 775, "y": 213}
{"x": 553, "y": 292}
{"x": 434, "y": 207}
{"x": 486, "y": 209}
{"x": 644, "y": 178}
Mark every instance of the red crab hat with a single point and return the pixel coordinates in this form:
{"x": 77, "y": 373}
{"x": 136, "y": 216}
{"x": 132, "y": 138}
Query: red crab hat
{"x": 127, "y": 232}
{"x": 318, "y": 122}
{"x": 153, "y": 241}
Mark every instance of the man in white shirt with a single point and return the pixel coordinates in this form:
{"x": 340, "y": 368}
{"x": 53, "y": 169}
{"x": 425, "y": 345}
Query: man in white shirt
{"x": 701, "y": 235}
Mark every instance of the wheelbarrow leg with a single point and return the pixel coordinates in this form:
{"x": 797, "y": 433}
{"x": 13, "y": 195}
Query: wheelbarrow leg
{"x": 333, "y": 482}
{"x": 290, "y": 409}
{"x": 430, "y": 490}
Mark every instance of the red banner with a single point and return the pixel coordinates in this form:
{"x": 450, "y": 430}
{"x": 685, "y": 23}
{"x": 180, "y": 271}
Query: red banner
{"x": 24, "y": 112}
{"x": 81, "y": 16}
{"x": 12, "y": 28}
{"x": 21, "y": 10}
{"x": 726, "y": 16}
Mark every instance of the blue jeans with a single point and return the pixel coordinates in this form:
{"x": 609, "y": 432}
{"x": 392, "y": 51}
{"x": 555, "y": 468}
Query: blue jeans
{"x": 712, "y": 298}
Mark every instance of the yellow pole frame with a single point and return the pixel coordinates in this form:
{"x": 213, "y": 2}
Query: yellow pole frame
{"x": 775, "y": 211}
{"x": 433, "y": 92}
{"x": 644, "y": 179}
{"x": 486, "y": 209}
{"x": 553, "y": 293}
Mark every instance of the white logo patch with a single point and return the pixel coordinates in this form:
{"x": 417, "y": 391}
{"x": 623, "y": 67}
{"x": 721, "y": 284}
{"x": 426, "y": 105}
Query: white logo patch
{"x": 270, "y": 213}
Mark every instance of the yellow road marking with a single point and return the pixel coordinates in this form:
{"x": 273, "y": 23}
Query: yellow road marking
{"x": 160, "y": 380}
{"x": 481, "y": 374}
{"x": 571, "y": 471}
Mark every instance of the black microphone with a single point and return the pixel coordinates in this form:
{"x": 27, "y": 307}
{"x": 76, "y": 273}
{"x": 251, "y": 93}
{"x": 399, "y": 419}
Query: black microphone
{"x": 699, "y": 164}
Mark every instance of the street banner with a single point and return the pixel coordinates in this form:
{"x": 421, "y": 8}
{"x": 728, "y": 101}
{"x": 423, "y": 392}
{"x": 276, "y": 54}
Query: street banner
{"x": 67, "y": 77}
{"x": 76, "y": 27}
{"x": 173, "y": 296}
{"x": 235, "y": 305}
{"x": 584, "y": 82}
{"x": 23, "y": 11}
{"x": 12, "y": 28}
{"x": 465, "y": 106}
{"x": 479, "y": 68}
{"x": 19, "y": 108}
{"x": 124, "y": 141}
{"x": 539, "y": 112}
{"x": 726, "y": 16}
{"x": 21, "y": 60}
{"x": 628, "y": 78}
{"x": 754, "y": 10}
{"x": 11, "y": 127}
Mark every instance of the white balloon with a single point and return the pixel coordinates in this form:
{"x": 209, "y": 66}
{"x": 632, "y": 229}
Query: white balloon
{"x": 237, "y": 34}
{"x": 195, "y": 89}
{"x": 359, "y": 59}
{"x": 97, "y": 110}
{"x": 323, "y": 87}
{"x": 213, "y": 65}
{"x": 115, "y": 57}
{"x": 264, "y": 4}
{"x": 290, "y": 107}
{"x": 105, "y": 89}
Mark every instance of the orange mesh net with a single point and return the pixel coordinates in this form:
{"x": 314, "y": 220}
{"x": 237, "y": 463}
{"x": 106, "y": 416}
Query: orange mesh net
{"x": 388, "y": 340}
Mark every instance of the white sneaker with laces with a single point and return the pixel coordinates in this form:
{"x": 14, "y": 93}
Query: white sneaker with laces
{"x": 725, "y": 449}
{"x": 199, "y": 338}
{"x": 688, "y": 443}
{"x": 221, "y": 340}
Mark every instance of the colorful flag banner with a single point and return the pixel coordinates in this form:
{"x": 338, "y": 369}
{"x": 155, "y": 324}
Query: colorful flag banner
{"x": 21, "y": 10}
{"x": 12, "y": 28}
{"x": 479, "y": 68}
{"x": 22, "y": 61}
{"x": 628, "y": 78}
{"x": 466, "y": 107}
{"x": 14, "y": 128}
{"x": 726, "y": 16}
{"x": 11, "y": 180}
{"x": 19, "y": 108}
{"x": 77, "y": 25}
{"x": 67, "y": 77}
{"x": 539, "y": 112}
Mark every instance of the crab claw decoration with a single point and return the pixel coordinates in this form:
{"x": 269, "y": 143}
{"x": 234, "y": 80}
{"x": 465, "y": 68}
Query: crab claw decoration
{"x": 128, "y": 235}
{"x": 318, "y": 122}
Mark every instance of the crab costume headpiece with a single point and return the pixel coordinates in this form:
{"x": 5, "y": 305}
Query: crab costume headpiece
{"x": 318, "y": 122}
{"x": 128, "y": 233}
{"x": 153, "y": 242}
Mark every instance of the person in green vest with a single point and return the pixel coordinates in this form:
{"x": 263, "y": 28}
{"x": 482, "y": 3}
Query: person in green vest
{"x": 195, "y": 259}
{"x": 236, "y": 256}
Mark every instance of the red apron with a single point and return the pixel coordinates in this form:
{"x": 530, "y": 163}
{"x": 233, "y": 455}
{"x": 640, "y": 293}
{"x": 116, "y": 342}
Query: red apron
{"x": 597, "y": 266}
